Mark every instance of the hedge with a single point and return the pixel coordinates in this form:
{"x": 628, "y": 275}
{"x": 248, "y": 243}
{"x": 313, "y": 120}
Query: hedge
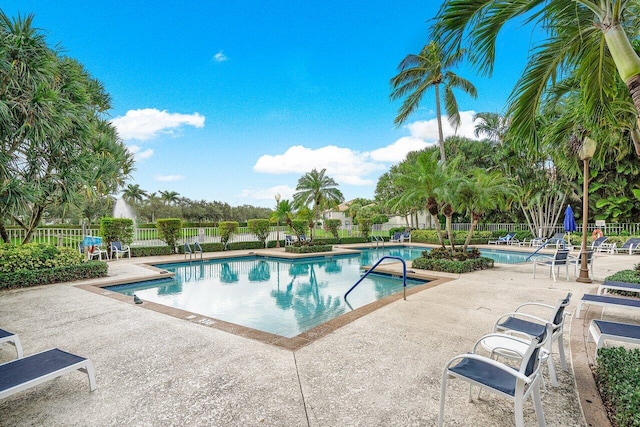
{"x": 618, "y": 378}
{"x": 45, "y": 276}
{"x": 36, "y": 256}
{"x": 448, "y": 266}
{"x": 308, "y": 249}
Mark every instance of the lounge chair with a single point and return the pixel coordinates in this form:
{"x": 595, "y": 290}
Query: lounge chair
{"x": 606, "y": 301}
{"x": 558, "y": 240}
{"x": 629, "y": 247}
{"x": 29, "y": 371}
{"x": 506, "y": 240}
{"x": 93, "y": 251}
{"x": 488, "y": 374}
{"x": 599, "y": 246}
{"x": 618, "y": 286}
{"x": 11, "y": 338}
{"x": 559, "y": 259}
{"x": 601, "y": 330}
{"x": 118, "y": 249}
{"x": 577, "y": 261}
{"x": 405, "y": 236}
{"x": 395, "y": 238}
{"x": 288, "y": 240}
{"x": 534, "y": 326}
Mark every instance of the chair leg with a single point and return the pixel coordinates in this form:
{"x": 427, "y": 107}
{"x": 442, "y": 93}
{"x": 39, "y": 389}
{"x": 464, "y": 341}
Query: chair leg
{"x": 519, "y": 410}
{"x": 443, "y": 390}
{"x": 537, "y": 404}
{"x": 563, "y": 360}
{"x": 552, "y": 370}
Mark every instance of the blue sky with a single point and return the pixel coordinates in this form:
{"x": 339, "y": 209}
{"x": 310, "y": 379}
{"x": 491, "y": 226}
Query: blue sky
{"x": 235, "y": 100}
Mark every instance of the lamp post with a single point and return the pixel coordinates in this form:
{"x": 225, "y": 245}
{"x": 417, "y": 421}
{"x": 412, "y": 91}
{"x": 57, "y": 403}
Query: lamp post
{"x": 277, "y": 196}
{"x": 586, "y": 153}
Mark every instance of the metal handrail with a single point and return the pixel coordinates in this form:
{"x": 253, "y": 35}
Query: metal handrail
{"x": 404, "y": 275}
{"x": 377, "y": 239}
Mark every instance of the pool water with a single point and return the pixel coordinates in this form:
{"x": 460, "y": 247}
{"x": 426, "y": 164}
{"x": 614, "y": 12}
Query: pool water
{"x": 279, "y": 296}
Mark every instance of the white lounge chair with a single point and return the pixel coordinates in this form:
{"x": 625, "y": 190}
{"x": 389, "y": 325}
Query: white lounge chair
{"x": 601, "y": 330}
{"x": 629, "y": 247}
{"x": 395, "y": 238}
{"x": 534, "y": 326}
{"x": 606, "y": 301}
{"x": 504, "y": 240}
{"x": 11, "y": 338}
{"x": 618, "y": 286}
{"x": 488, "y": 374}
{"x": 29, "y": 371}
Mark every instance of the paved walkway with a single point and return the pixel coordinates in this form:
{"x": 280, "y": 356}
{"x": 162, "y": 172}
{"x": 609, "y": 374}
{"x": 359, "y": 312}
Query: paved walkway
{"x": 383, "y": 369}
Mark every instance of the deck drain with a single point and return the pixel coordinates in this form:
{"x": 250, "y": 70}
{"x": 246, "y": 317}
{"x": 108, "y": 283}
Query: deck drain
{"x": 191, "y": 316}
{"x": 206, "y": 322}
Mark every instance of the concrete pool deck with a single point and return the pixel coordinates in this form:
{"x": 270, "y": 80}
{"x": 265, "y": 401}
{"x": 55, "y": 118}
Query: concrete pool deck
{"x": 383, "y": 369}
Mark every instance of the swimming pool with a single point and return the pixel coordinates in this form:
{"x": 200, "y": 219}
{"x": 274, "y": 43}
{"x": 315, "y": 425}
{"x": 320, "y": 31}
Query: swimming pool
{"x": 275, "y": 295}
{"x": 412, "y": 252}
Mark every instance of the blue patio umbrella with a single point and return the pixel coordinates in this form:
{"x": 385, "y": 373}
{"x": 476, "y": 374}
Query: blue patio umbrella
{"x": 569, "y": 220}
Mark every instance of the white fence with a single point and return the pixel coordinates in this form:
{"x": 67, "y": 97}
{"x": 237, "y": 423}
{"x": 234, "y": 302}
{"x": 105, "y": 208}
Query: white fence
{"x": 71, "y": 237}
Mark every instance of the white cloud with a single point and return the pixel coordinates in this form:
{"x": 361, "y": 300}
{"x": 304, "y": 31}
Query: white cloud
{"x": 343, "y": 164}
{"x": 139, "y": 153}
{"x": 147, "y": 123}
{"x": 428, "y": 129}
{"x": 220, "y": 57}
{"x": 167, "y": 178}
{"x": 285, "y": 192}
{"x": 397, "y": 151}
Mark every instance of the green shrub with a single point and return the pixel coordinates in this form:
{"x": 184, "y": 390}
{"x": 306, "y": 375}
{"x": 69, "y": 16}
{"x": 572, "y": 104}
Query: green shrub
{"x": 44, "y": 276}
{"x": 261, "y": 228}
{"x": 138, "y": 251}
{"x": 332, "y": 226}
{"x": 245, "y": 245}
{"x": 169, "y": 231}
{"x": 618, "y": 377}
{"x": 116, "y": 230}
{"x": 227, "y": 228}
{"x": 450, "y": 266}
{"x": 629, "y": 276}
{"x": 364, "y": 225}
{"x": 36, "y": 256}
{"x": 307, "y": 249}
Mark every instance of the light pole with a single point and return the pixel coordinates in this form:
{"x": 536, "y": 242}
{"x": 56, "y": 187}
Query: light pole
{"x": 586, "y": 153}
{"x": 277, "y": 196}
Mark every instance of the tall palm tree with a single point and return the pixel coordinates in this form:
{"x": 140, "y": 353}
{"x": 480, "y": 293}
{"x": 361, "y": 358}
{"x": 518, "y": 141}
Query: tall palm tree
{"x": 430, "y": 69}
{"x": 588, "y": 39}
{"x": 317, "y": 189}
{"x": 134, "y": 194}
{"x": 284, "y": 212}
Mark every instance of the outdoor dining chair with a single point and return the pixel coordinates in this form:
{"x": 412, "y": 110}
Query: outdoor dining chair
{"x": 559, "y": 259}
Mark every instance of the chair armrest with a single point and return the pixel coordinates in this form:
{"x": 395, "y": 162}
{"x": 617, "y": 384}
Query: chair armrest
{"x": 522, "y": 340}
{"x": 491, "y": 362}
{"x": 525, "y": 315}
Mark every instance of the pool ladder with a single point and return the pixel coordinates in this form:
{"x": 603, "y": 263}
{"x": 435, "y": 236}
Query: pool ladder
{"x": 192, "y": 252}
{"x": 404, "y": 275}
{"x": 377, "y": 240}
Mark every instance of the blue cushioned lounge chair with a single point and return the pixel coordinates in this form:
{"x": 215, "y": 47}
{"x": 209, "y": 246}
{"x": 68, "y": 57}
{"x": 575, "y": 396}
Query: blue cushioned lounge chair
{"x": 618, "y": 286}
{"x": 27, "y": 372}
{"x": 602, "y": 330}
{"x": 11, "y": 338}
{"x": 606, "y": 301}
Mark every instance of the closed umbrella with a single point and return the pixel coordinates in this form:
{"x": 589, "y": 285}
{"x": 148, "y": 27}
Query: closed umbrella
{"x": 569, "y": 220}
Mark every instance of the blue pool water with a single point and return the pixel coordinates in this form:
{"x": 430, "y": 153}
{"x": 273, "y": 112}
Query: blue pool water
{"x": 280, "y": 296}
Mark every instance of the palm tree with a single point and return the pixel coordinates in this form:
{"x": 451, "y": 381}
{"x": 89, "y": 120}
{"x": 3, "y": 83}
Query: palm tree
{"x": 419, "y": 181}
{"x": 426, "y": 70}
{"x": 480, "y": 193}
{"x": 492, "y": 125}
{"x": 169, "y": 197}
{"x": 589, "y": 40}
{"x": 317, "y": 189}
{"x": 134, "y": 194}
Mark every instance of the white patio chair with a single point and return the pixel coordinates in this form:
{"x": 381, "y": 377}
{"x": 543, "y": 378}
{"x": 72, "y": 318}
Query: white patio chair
{"x": 118, "y": 249}
{"x": 516, "y": 384}
{"x": 577, "y": 261}
{"x": 560, "y": 258}
{"x": 534, "y": 326}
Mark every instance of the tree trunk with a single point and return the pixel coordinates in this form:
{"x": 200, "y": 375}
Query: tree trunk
{"x": 3, "y": 232}
{"x": 474, "y": 223}
{"x": 439, "y": 117}
{"x": 35, "y": 220}
{"x": 447, "y": 210}
{"x": 432, "y": 208}
{"x": 634, "y": 89}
